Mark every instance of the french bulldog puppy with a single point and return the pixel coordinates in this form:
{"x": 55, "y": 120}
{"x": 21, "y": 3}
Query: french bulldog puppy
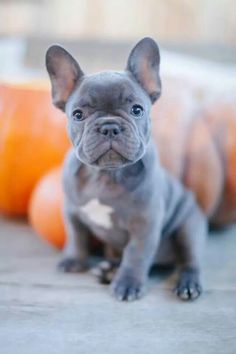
{"x": 114, "y": 184}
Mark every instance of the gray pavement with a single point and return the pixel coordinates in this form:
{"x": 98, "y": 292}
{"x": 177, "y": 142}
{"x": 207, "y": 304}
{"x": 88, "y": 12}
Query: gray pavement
{"x": 43, "y": 311}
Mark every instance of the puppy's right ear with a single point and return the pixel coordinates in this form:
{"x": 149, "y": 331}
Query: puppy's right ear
{"x": 64, "y": 73}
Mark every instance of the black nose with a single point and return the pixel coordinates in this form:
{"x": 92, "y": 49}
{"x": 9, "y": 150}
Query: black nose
{"x": 110, "y": 130}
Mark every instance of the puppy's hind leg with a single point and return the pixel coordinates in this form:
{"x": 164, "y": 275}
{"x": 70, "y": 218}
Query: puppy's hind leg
{"x": 189, "y": 242}
{"x": 106, "y": 269}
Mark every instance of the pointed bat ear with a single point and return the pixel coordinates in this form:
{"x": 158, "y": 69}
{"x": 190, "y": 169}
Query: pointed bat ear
{"x": 64, "y": 73}
{"x": 144, "y": 63}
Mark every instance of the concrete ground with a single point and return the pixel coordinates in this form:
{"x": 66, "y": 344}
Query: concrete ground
{"x": 43, "y": 311}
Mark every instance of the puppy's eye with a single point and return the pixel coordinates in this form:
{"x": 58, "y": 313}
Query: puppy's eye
{"x": 78, "y": 115}
{"x": 137, "y": 110}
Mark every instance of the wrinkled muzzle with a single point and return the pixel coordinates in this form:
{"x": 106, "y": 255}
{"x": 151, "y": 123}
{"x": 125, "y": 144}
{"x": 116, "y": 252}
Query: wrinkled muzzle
{"x": 110, "y": 143}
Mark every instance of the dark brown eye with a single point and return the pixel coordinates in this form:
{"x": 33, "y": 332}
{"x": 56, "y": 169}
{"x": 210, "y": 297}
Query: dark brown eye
{"x": 137, "y": 110}
{"x": 78, "y": 115}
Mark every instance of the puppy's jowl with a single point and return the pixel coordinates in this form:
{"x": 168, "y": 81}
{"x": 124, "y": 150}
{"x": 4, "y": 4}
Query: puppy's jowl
{"x": 114, "y": 184}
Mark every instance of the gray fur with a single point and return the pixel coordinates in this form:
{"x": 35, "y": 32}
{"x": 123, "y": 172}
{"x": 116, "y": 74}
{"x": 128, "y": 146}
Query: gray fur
{"x": 154, "y": 218}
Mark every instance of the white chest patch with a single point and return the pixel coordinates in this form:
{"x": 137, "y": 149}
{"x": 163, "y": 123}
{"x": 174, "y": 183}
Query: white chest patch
{"x": 98, "y": 213}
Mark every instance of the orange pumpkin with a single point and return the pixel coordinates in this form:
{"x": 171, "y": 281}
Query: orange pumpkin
{"x": 196, "y": 140}
{"x": 33, "y": 139}
{"x": 185, "y": 144}
{"x": 45, "y": 208}
{"x": 220, "y": 116}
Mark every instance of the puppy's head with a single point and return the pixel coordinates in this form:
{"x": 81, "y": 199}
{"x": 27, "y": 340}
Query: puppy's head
{"x": 109, "y": 112}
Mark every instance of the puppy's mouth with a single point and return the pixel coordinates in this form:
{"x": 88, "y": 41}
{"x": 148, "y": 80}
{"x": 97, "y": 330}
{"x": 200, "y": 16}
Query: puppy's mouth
{"x": 110, "y": 152}
{"x": 111, "y": 159}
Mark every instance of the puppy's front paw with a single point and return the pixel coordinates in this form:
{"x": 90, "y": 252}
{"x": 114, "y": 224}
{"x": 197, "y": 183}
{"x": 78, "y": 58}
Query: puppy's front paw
{"x": 127, "y": 288}
{"x": 188, "y": 287}
{"x": 72, "y": 265}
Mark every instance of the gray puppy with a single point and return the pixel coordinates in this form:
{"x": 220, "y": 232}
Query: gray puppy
{"x": 114, "y": 184}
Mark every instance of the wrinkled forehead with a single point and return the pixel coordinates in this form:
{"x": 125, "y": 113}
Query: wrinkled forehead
{"x": 112, "y": 87}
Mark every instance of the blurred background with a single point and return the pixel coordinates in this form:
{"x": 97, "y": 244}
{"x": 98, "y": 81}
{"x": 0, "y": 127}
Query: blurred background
{"x": 100, "y": 32}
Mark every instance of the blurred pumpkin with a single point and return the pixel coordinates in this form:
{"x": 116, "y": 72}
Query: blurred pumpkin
{"x": 45, "y": 208}
{"x": 33, "y": 139}
{"x": 196, "y": 139}
{"x": 220, "y": 116}
{"x": 185, "y": 144}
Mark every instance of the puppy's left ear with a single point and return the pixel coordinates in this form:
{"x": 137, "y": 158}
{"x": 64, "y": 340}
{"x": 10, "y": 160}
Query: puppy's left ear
{"x": 143, "y": 63}
{"x": 64, "y": 72}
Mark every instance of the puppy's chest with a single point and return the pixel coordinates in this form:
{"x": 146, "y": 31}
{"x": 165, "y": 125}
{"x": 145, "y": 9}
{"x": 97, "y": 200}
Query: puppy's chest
{"x": 97, "y": 213}
{"x": 100, "y": 205}
{"x": 104, "y": 221}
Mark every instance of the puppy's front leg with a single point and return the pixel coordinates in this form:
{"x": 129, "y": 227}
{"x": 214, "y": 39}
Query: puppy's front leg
{"x": 189, "y": 242}
{"x": 131, "y": 277}
{"x": 75, "y": 252}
